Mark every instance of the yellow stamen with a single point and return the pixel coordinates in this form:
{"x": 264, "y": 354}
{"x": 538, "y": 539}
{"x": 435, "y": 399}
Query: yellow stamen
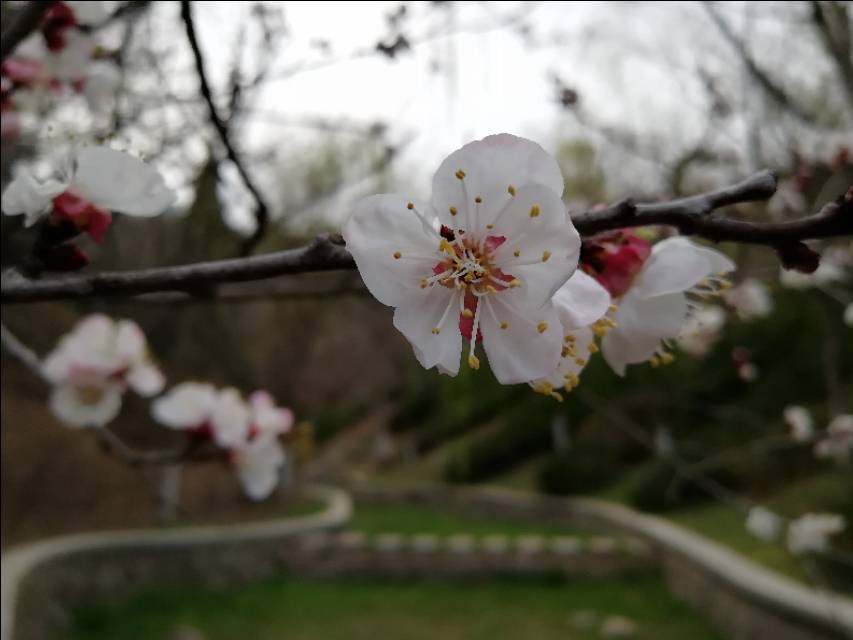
{"x": 468, "y": 313}
{"x": 397, "y": 255}
{"x": 580, "y": 362}
{"x": 654, "y": 361}
{"x": 542, "y": 327}
{"x": 436, "y": 331}
{"x": 514, "y": 283}
{"x": 453, "y": 211}
{"x": 569, "y": 338}
{"x": 460, "y": 174}
{"x": 478, "y": 200}
{"x": 534, "y": 211}
{"x": 490, "y": 226}
{"x": 667, "y": 358}
{"x": 473, "y": 362}
{"x": 545, "y": 256}
{"x": 592, "y": 348}
{"x": 516, "y": 253}
{"x": 504, "y": 324}
{"x": 491, "y": 289}
{"x": 511, "y": 190}
{"x": 410, "y": 206}
{"x": 613, "y": 308}
{"x": 424, "y": 284}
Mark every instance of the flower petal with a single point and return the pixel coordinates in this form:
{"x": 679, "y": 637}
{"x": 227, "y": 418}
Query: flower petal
{"x": 229, "y": 419}
{"x": 185, "y": 406}
{"x": 537, "y": 227}
{"x": 68, "y": 404}
{"x": 119, "y": 182}
{"x": 520, "y": 352}
{"x": 676, "y": 265}
{"x": 416, "y": 320}
{"x": 28, "y": 196}
{"x": 382, "y": 227}
{"x": 641, "y": 324}
{"x": 257, "y": 466}
{"x": 145, "y": 379}
{"x": 491, "y": 165}
{"x": 581, "y": 301}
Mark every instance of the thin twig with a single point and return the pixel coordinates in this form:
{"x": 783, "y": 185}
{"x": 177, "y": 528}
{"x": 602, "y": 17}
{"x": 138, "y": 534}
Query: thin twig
{"x": 261, "y": 209}
{"x": 27, "y": 21}
{"x": 21, "y": 352}
{"x": 327, "y": 253}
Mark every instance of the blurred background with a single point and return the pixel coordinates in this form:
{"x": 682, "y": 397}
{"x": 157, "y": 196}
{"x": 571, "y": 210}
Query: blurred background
{"x": 330, "y": 101}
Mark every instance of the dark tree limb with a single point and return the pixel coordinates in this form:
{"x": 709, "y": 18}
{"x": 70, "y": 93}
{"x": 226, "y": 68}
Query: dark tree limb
{"x": 27, "y": 21}
{"x": 691, "y": 216}
{"x": 261, "y": 209}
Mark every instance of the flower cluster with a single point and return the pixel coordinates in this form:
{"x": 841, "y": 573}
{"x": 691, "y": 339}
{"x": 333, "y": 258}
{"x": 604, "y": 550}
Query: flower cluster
{"x": 494, "y": 257}
{"x": 100, "y": 359}
{"x": 835, "y": 443}
{"x": 93, "y": 366}
{"x": 248, "y": 431}
{"x": 809, "y": 533}
{"x": 60, "y": 55}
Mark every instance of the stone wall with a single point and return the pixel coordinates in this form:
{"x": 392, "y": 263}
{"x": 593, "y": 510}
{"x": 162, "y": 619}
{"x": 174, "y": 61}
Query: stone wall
{"x": 744, "y": 599}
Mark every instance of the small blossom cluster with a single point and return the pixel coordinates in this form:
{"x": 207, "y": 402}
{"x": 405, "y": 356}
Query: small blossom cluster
{"x": 60, "y": 56}
{"x": 810, "y": 533}
{"x": 100, "y": 360}
{"x": 248, "y": 431}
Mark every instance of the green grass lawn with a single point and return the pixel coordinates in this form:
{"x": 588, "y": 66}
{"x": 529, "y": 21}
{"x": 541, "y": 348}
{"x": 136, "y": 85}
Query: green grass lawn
{"x": 412, "y": 519}
{"x": 353, "y": 609}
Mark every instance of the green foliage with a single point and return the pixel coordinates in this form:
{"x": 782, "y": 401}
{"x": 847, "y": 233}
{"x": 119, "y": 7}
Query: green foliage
{"x": 332, "y": 421}
{"x": 582, "y": 469}
{"x": 362, "y": 608}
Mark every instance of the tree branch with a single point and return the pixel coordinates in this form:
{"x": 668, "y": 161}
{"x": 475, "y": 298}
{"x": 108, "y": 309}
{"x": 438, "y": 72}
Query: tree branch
{"x": 23, "y": 25}
{"x": 261, "y": 208}
{"x": 327, "y": 253}
{"x": 767, "y": 84}
{"x": 21, "y": 352}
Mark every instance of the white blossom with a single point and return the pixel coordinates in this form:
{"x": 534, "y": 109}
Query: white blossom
{"x": 764, "y": 524}
{"x": 837, "y": 442}
{"x": 483, "y": 258}
{"x": 654, "y": 308}
{"x": 750, "y": 299}
{"x": 93, "y": 365}
{"x": 93, "y": 181}
{"x": 810, "y": 533}
{"x": 800, "y": 422}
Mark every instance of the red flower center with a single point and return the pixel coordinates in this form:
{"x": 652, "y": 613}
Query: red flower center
{"x": 85, "y": 215}
{"x": 614, "y": 259}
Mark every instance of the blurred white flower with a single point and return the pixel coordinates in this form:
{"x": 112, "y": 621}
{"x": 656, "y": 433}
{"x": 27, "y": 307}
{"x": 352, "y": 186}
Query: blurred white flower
{"x": 655, "y": 307}
{"x": 257, "y": 465}
{"x": 750, "y": 299}
{"x": 579, "y": 303}
{"x": 837, "y": 443}
{"x": 221, "y": 414}
{"x": 199, "y": 407}
{"x": 810, "y": 533}
{"x": 93, "y": 365}
{"x": 483, "y": 259}
{"x": 764, "y": 524}
{"x": 702, "y": 330}
{"x": 800, "y": 422}
{"x": 267, "y": 418}
{"x": 92, "y": 182}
